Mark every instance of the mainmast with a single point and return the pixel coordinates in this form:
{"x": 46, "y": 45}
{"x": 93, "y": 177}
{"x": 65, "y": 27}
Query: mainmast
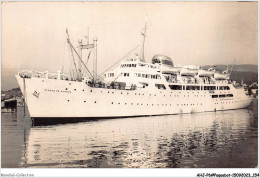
{"x": 144, "y": 35}
{"x": 95, "y": 59}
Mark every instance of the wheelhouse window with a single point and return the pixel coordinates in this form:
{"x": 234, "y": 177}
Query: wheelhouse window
{"x": 175, "y": 87}
{"x": 214, "y": 96}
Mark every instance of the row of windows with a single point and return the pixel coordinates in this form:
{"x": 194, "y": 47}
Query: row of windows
{"x": 224, "y": 88}
{"x": 142, "y": 75}
{"x": 222, "y": 96}
{"x": 128, "y": 65}
{"x": 190, "y": 87}
{"x": 147, "y": 76}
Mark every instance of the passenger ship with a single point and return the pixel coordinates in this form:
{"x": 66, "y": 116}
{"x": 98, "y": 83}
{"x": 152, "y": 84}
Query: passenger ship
{"x": 133, "y": 88}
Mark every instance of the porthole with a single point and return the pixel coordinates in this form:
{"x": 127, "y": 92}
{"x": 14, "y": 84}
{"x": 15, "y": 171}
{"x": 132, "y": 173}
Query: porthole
{"x": 90, "y": 90}
{"x": 74, "y": 89}
{"x": 95, "y": 102}
{"x": 112, "y": 103}
{"x": 82, "y": 90}
{"x": 84, "y": 101}
{"x": 66, "y": 88}
{"x": 68, "y": 100}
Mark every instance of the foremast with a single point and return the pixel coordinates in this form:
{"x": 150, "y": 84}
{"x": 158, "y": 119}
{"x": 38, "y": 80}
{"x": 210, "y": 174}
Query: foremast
{"x": 79, "y": 54}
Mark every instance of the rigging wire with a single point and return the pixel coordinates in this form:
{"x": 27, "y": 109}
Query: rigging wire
{"x": 80, "y": 58}
{"x": 101, "y": 78}
{"x": 74, "y": 61}
{"x": 120, "y": 60}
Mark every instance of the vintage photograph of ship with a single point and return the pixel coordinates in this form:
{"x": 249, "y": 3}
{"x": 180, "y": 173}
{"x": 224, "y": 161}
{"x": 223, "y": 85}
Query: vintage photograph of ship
{"x": 129, "y": 85}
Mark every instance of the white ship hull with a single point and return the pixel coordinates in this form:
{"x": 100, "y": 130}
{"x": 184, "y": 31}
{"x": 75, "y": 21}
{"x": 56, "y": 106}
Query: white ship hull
{"x": 49, "y": 98}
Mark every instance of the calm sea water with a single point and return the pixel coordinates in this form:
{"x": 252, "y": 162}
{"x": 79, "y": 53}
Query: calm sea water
{"x": 225, "y": 139}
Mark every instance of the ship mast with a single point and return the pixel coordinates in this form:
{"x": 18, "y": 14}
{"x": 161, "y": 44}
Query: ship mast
{"x": 144, "y": 35}
{"x": 87, "y": 46}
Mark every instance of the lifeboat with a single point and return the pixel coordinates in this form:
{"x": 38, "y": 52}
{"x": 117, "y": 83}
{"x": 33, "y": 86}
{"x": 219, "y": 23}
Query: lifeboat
{"x": 171, "y": 70}
{"x": 223, "y": 76}
{"x": 188, "y": 72}
{"x": 205, "y": 73}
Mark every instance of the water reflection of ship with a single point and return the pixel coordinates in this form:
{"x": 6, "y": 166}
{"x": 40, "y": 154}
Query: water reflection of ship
{"x": 168, "y": 141}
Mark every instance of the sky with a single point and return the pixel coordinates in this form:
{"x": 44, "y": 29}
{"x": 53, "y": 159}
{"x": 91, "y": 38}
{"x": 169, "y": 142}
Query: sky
{"x": 199, "y": 33}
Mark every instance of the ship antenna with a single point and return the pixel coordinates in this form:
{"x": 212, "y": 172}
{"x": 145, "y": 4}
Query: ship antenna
{"x": 144, "y": 35}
